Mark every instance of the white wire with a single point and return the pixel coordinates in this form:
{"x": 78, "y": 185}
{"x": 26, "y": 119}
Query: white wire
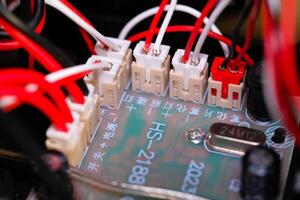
{"x": 56, "y": 76}
{"x": 13, "y": 5}
{"x": 60, "y": 6}
{"x": 180, "y": 8}
{"x": 64, "y": 73}
{"x": 4, "y": 3}
{"x": 164, "y": 26}
{"x": 213, "y": 17}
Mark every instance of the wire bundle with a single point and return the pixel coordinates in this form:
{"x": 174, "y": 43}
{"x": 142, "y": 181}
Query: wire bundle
{"x": 52, "y": 60}
{"x": 43, "y": 92}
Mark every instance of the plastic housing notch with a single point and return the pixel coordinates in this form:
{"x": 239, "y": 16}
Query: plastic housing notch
{"x": 188, "y": 81}
{"x": 226, "y": 85}
{"x": 150, "y": 73}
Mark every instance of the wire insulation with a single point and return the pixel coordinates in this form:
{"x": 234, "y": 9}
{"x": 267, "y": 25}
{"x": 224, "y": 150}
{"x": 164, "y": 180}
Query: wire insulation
{"x": 61, "y": 6}
{"x": 184, "y": 28}
{"x": 193, "y": 36}
{"x": 164, "y": 26}
{"x": 154, "y": 24}
{"x": 213, "y": 17}
{"x": 181, "y": 8}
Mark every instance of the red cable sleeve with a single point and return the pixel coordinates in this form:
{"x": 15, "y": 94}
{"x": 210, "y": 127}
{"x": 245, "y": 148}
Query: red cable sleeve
{"x": 184, "y": 28}
{"x": 39, "y": 102}
{"x": 250, "y": 29}
{"x": 193, "y": 36}
{"x": 23, "y": 76}
{"x": 154, "y": 24}
{"x": 43, "y": 57}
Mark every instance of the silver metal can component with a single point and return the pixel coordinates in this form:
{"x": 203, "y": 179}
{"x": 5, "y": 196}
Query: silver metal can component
{"x": 234, "y": 140}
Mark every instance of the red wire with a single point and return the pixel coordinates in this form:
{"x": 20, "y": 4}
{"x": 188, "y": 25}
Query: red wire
{"x": 40, "y": 102}
{"x": 41, "y": 25}
{"x": 32, "y": 6}
{"x": 9, "y": 45}
{"x": 86, "y": 37}
{"x": 154, "y": 24}
{"x": 43, "y": 57}
{"x": 88, "y": 41}
{"x": 24, "y": 77}
{"x": 288, "y": 30}
{"x": 276, "y": 60}
{"x": 184, "y": 28}
{"x": 39, "y": 28}
{"x": 250, "y": 29}
{"x": 206, "y": 10}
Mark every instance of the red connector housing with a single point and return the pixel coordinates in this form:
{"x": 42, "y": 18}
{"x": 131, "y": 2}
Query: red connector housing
{"x": 231, "y": 75}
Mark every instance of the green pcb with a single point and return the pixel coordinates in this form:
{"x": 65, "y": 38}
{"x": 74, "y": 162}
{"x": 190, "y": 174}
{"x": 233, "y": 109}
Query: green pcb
{"x": 144, "y": 143}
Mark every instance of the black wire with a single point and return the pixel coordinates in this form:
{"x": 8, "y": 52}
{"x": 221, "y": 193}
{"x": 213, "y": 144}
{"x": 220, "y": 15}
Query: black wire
{"x": 49, "y": 47}
{"x": 237, "y": 29}
{"x": 39, "y": 6}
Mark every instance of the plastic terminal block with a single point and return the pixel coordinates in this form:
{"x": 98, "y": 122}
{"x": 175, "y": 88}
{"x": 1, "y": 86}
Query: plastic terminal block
{"x": 89, "y": 113}
{"x": 226, "y": 86}
{"x": 124, "y": 55}
{"x": 188, "y": 81}
{"x": 150, "y": 72}
{"x": 70, "y": 143}
{"x": 109, "y": 83}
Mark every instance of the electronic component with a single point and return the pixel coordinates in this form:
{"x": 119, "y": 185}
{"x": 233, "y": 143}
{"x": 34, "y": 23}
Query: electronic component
{"x": 234, "y": 140}
{"x": 120, "y": 140}
{"x": 226, "y": 84}
{"x": 256, "y": 105}
{"x": 260, "y": 174}
{"x": 151, "y": 124}
{"x": 124, "y": 54}
{"x": 89, "y": 113}
{"x": 279, "y": 135}
{"x": 195, "y": 136}
{"x": 188, "y": 81}
{"x": 109, "y": 82}
{"x": 150, "y": 71}
{"x": 71, "y": 143}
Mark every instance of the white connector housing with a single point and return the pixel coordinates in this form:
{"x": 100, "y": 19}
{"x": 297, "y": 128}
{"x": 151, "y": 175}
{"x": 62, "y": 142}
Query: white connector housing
{"x": 229, "y": 102}
{"x": 150, "y": 71}
{"x": 109, "y": 83}
{"x": 89, "y": 112}
{"x": 121, "y": 54}
{"x": 70, "y": 143}
{"x": 188, "y": 81}
{"x": 124, "y": 55}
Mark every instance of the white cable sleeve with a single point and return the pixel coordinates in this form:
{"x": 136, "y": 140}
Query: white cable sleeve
{"x": 60, "y": 6}
{"x": 164, "y": 25}
{"x": 213, "y": 17}
{"x": 64, "y": 73}
{"x": 180, "y": 8}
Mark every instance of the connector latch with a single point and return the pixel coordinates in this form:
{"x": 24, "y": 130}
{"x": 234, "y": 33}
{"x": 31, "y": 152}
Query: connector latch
{"x": 188, "y": 81}
{"x": 150, "y": 71}
{"x": 226, "y": 84}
